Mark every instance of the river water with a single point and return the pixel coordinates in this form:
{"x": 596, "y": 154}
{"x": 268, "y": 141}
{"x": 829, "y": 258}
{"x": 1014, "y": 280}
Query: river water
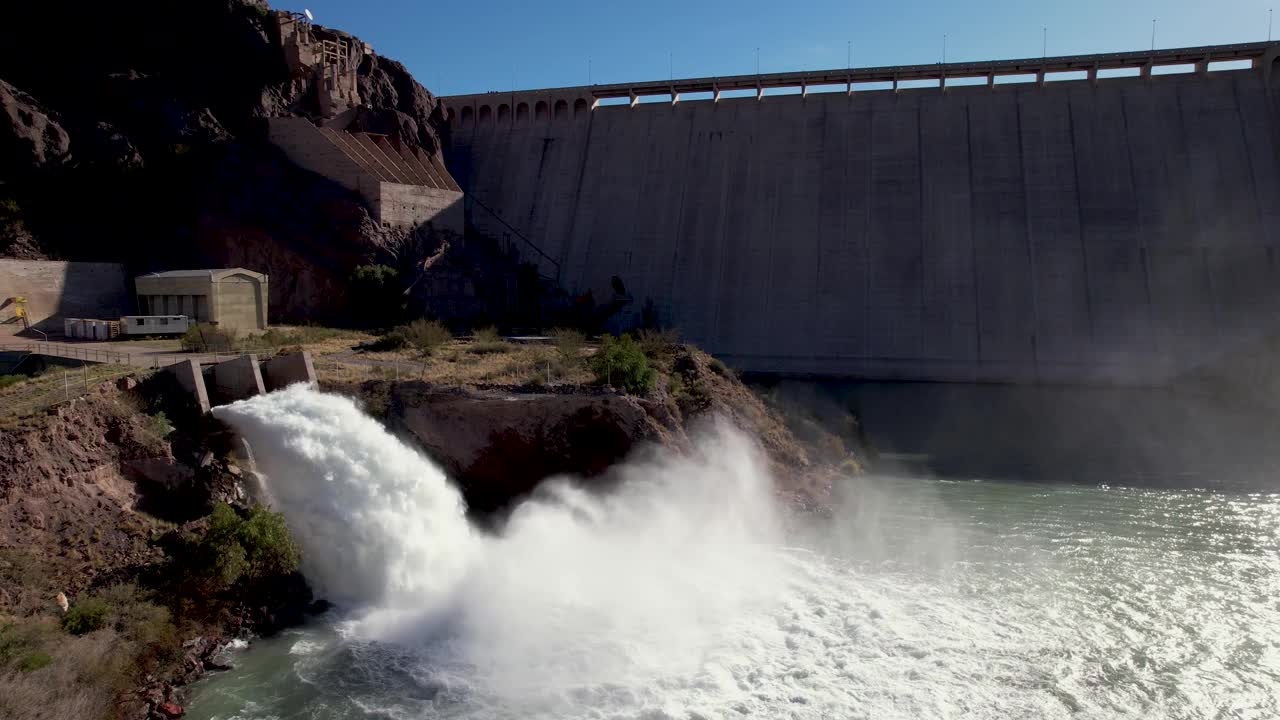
{"x": 689, "y": 594}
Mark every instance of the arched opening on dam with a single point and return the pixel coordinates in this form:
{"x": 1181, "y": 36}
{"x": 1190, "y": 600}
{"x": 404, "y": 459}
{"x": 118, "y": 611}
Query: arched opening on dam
{"x": 580, "y": 107}
{"x": 468, "y": 116}
{"x": 540, "y": 111}
{"x": 562, "y": 110}
{"x": 504, "y": 114}
{"x": 522, "y": 115}
{"x": 486, "y": 115}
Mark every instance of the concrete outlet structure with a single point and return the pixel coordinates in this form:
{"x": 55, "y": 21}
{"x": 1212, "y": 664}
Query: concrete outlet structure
{"x": 282, "y": 371}
{"x": 237, "y": 379}
{"x": 230, "y": 297}
{"x": 1110, "y": 218}
{"x": 242, "y": 377}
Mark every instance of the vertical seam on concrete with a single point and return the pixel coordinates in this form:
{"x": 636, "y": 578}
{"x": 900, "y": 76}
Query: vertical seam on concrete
{"x": 1248, "y": 158}
{"x": 718, "y": 278}
{"x": 1030, "y": 243}
{"x": 684, "y": 192}
{"x": 866, "y": 238}
{"x": 973, "y": 245}
{"x": 577, "y": 197}
{"x": 920, "y": 339}
{"x": 1200, "y": 235}
{"x": 1084, "y": 251}
{"x": 1137, "y": 216}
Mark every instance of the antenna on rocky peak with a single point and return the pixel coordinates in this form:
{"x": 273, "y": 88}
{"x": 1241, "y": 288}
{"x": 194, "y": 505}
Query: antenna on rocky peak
{"x": 307, "y": 12}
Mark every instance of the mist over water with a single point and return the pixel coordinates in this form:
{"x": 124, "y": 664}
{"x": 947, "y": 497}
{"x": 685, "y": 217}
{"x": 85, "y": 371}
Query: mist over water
{"x": 689, "y": 593}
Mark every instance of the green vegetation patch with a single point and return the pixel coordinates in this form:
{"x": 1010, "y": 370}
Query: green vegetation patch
{"x": 251, "y": 547}
{"x": 622, "y": 363}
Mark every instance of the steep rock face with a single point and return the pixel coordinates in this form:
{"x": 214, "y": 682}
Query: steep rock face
{"x": 152, "y": 116}
{"x": 498, "y": 447}
{"x": 29, "y": 136}
{"x": 66, "y": 504}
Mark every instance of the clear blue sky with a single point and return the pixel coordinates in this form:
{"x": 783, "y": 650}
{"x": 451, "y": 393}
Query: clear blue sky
{"x": 465, "y": 47}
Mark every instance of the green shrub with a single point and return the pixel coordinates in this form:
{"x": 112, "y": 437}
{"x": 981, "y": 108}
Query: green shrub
{"x": 487, "y": 335}
{"x": 253, "y": 547}
{"x": 621, "y": 363}
{"x": 158, "y": 425}
{"x": 7, "y": 380}
{"x": 569, "y": 344}
{"x": 425, "y": 335}
{"x": 205, "y": 337}
{"x": 85, "y": 616}
{"x": 718, "y": 367}
{"x": 268, "y": 547}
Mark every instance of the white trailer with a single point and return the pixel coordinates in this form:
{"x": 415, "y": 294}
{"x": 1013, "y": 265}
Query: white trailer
{"x": 138, "y": 325}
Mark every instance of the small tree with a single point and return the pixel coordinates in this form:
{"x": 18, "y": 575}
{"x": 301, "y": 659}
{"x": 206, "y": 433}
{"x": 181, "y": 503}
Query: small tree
{"x": 620, "y": 362}
{"x": 376, "y": 296}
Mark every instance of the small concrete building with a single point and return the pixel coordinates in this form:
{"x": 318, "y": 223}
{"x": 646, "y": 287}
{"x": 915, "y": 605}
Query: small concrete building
{"x": 230, "y": 297}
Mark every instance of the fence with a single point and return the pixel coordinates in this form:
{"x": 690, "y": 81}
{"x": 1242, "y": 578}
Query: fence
{"x": 59, "y": 385}
{"x": 153, "y": 360}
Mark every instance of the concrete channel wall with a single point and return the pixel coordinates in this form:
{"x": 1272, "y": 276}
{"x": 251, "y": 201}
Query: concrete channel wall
{"x": 1117, "y": 231}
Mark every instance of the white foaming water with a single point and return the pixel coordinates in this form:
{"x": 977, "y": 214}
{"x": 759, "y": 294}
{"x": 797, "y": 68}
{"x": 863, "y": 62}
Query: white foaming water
{"x": 577, "y": 591}
{"x": 679, "y": 595}
{"x": 379, "y": 525}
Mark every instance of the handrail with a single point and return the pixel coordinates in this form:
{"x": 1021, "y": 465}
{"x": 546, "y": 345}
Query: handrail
{"x": 890, "y": 73}
{"x": 517, "y": 233}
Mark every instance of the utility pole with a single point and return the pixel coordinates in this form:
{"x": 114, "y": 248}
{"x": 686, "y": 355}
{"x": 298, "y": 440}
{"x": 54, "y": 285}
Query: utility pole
{"x": 1044, "y": 46}
{"x": 671, "y": 75}
{"x": 944, "y": 48}
{"x": 589, "y": 80}
{"x": 1269, "y": 14}
{"x": 848, "y": 55}
{"x": 1153, "y": 33}
{"x": 757, "y": 61}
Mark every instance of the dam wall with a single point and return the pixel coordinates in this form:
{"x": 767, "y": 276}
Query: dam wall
{"x": 1100, "y": 229}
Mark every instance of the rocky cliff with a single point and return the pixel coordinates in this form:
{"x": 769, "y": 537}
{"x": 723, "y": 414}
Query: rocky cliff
{"x": 135, "y": 132}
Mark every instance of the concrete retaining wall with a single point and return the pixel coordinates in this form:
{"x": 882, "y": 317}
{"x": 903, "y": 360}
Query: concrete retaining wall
{"x": 55, "y": 290}
{"x": 1117, "y": 232}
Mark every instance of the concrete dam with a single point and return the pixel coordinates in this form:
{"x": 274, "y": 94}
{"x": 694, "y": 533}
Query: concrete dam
{"x": 1095, "y": 219}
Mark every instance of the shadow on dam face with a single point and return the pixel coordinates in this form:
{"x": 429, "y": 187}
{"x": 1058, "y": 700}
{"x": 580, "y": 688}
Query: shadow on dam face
{"x": 1136, "y": 437}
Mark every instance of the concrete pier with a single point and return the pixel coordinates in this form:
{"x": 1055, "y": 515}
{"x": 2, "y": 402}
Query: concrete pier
{"x": 192, "y": 380}
{"x": 237, "y": 379}
{"x": 282, "y": 371}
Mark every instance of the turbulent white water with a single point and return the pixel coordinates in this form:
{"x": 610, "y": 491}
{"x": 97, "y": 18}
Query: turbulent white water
{"x": 682, "y": 594}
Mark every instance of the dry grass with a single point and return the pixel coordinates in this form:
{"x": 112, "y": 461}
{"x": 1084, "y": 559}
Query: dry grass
{"x": 81, "y": 679}
{"x": 457, "y": 363}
